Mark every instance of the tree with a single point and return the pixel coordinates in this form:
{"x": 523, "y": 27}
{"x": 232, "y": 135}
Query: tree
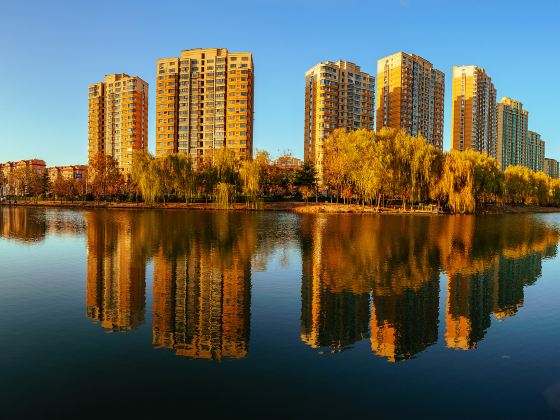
{"x": 105, "y": 177}
{"x": 145, "y": 175}
{"x": 26, "y": 181}
{"x": 3, "y": 182}
{"x": 250, "y": 174}
{"x": 306, "y": 177}
{"x": 456, "y": 185}
{"x": 518, "y": 184}
{"x": 488, "y": 178}
{"x": 306, "y": 192}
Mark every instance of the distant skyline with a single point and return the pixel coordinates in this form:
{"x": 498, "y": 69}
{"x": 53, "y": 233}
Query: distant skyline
{"x": 51, "y": 51}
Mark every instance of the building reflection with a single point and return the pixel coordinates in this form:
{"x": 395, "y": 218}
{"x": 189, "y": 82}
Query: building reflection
{"x": 116, "y": 269}
{"x": 202, "y": 287}
{"x": 493, "y": 285}
{"x": 387, "y": 270}
{"x": 404, "y": 324}
{"x": 334, "y": 314}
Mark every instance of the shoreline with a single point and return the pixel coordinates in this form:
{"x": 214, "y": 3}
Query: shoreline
{"x": 288, "y": 206}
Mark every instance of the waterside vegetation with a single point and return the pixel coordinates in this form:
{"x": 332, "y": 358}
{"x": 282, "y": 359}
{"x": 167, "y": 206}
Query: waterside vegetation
{"x": 388, "y": 170}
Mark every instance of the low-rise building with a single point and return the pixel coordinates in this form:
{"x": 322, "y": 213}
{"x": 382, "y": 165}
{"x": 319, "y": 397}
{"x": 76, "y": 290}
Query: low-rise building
{"x": 8, "y": 168}
{"x": 288, "y": 162}
{"x": 77, "y": 172}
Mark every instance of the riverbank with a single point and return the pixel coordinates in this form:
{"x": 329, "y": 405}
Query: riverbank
{"x": 293, "y": 206}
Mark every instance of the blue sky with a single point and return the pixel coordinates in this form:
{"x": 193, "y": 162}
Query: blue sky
{"x": 50, "y": 52}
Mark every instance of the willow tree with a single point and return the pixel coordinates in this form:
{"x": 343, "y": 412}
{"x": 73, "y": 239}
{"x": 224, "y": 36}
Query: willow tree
{"x": 146, "y": 175}
{"x": 554, "y": 192}
{"x": 362, "y": 176}
{"x": 250, "y": 174}
{"x": 488, "y": 178}
{"x": 456, "y": 186}
{"x": 518, "y": 186}
{"x": 541, "y": 188}
{"x": 177, "y": 178}
{"x": 425, "y": 169}
{"x": 224, "y": 195}
{"x": 336, "y": 160}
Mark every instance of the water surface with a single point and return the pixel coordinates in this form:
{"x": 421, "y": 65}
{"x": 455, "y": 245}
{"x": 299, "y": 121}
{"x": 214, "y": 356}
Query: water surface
{"x": 111, "y": 313}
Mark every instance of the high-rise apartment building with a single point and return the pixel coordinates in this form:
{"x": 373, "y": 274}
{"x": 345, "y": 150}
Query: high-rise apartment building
{"x": 337, "y": 95}
{"x": 118, "y": 118}
{"x": 410, "y": 94}
{"x": 512, "y": 121}
{"x": 551, "y": 167}
{"x": 473, "y": 110}
{"x": 535, "y": 151}
{"x": 204, "y": 102}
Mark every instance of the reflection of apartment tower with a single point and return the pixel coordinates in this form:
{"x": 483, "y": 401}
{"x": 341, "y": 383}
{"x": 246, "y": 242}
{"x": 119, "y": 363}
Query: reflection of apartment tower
{"x": 410, "y": 93}
{"x": 404, "y": 324}
{"x": 337, "y": 95}
{"x": 535, "y": 151}
{"x": 329, "y": 318}
{"x": 115, "y": 292}
{"x": 201, "y": 306}
{"x": 469, "y": 306}
{"x": 551, "y": 167}
{"x": 118, "y": 118}
{"x": 512, "y": 120}
{"x": 204, "y": 102}
{"x": 473, "y": 113}
{"x": 512, "y": 276}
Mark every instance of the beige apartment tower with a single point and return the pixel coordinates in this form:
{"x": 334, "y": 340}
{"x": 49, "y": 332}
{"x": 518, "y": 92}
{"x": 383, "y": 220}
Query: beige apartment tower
{"x": 118, "y": 118}
{"x": 473, "y": 110}
{"x": 204, "y": 102}
{"x": 410, "y": 95}
{"x": 512, "y": 133}
{"x": 337, "y": 95}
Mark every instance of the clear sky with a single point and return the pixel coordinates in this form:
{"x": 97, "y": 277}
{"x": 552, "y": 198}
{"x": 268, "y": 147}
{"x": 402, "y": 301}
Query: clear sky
{"x": 51, "y": 50}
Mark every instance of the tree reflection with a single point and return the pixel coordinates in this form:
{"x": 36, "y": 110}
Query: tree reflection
{"x": 375, "y": 277}
{"x": 396, "y": 262}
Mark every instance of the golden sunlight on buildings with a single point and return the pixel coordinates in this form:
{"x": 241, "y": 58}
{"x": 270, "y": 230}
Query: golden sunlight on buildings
{"x": 118, "y": 118}
{"x": 473, "y": 110}
{"x": 410, "y": 95}
{"x": 337, "y": 95}
{"x": 204, "y": 102}
{"x": 77, "y": 172}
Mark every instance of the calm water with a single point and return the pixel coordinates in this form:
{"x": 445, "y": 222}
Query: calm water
{"x": 109, "y": 313}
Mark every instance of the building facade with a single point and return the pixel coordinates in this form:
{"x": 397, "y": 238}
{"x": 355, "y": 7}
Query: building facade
{"x": 204, "y": 103}
{"x": 410, "y": 96}
{"x": 8, "y": 185}
{"x": 550, "y": 167}
{"x": 535, "y": 151}
{"x": 77, "y": 172}
{"x": 118, "y": 118}
{"x": 473, "y": 110}
{"x": 337, "y": 95}
{"x": 512, "y": 122}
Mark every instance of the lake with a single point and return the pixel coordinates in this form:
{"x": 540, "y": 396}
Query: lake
{"x": 146, "y": 313}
